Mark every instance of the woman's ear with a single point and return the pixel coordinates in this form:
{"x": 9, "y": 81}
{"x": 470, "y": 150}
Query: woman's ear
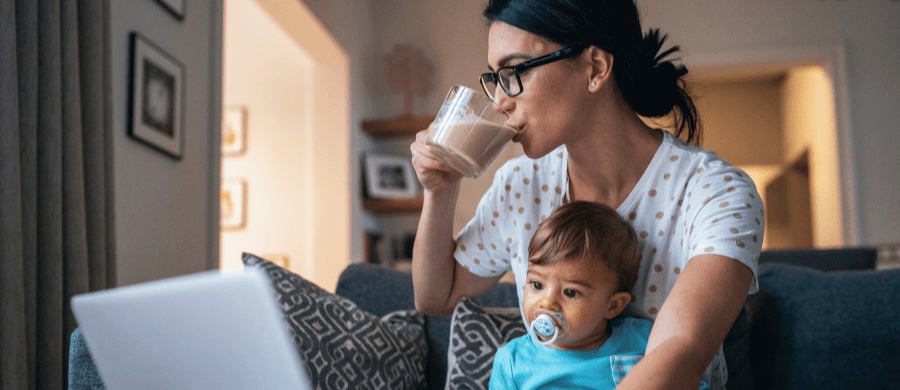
{"x": 601, "y": 67}
{"x": 617, "y": 303}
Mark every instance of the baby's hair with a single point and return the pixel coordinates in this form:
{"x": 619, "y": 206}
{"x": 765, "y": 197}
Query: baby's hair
{"x": 588, "y": 231}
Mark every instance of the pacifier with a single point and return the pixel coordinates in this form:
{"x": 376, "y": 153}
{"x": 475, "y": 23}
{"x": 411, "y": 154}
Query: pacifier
{"x": 545, "y": 326}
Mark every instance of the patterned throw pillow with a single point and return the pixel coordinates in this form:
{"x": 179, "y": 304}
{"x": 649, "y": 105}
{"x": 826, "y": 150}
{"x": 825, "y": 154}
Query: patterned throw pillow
{"x": 342, "y": 346}
{"x": 476, "y": 333}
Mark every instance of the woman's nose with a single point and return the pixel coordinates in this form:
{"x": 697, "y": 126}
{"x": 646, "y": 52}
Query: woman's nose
{"x": 502, "y": 101}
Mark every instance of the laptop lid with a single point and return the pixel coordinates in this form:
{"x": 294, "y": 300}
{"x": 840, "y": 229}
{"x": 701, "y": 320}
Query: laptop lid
{"x": 210, "y": 330}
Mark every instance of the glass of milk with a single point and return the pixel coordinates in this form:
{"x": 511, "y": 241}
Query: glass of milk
{"x": 469, "y": 132}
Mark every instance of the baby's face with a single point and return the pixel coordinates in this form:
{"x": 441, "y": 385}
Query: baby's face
{"x": 577, "y": 295}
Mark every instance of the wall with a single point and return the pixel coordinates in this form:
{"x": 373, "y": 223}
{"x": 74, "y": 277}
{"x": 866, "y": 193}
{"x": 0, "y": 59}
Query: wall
{"x": 266, "y": 71}
{"x": 737, "y": 114}
{"x": 166, "y": 224}
{"x": 809, "y": 123}
{"x": 319, "y": 190}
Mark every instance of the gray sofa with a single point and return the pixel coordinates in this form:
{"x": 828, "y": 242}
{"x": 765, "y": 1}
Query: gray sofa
{"x": 824, "y": 319}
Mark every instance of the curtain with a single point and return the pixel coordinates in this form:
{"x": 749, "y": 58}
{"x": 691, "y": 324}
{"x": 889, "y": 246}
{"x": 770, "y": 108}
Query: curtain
{"x": 56, "y": 220}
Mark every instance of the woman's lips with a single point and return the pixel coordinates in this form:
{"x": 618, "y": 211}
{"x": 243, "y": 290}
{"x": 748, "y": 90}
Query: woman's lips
{"x": 519, "y": 132}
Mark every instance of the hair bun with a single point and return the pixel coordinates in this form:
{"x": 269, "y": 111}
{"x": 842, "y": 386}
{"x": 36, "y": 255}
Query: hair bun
{"x": 656, "y": 78}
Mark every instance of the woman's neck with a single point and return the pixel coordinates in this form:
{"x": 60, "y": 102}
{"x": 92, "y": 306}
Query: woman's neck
{"x": 606, "y": 163}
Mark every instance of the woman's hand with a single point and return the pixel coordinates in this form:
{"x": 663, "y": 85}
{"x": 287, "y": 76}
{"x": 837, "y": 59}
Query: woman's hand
{"x": 433, "y": 175}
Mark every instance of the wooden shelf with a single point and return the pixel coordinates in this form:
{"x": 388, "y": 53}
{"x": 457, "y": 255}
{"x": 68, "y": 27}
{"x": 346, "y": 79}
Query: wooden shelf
{"x": 394, "y": 206}
{"x": 397, "y": 127}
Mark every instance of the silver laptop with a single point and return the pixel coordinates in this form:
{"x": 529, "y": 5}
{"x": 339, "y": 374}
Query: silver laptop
{"x": 210, "y": 330}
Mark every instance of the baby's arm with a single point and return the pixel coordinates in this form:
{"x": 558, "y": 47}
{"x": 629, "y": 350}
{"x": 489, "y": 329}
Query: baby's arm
{"x": 501, "y": 373}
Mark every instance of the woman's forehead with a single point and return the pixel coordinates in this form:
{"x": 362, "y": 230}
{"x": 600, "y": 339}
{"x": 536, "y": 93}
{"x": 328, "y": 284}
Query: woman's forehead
{"x": 505, "y": 40}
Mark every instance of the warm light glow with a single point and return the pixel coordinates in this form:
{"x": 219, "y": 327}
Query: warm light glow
{"x": 809, "y": 121}
{"x": 296, "y": 163}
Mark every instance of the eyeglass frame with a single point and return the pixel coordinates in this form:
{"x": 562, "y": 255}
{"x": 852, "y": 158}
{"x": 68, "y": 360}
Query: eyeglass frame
{"x": 518, "y": 69}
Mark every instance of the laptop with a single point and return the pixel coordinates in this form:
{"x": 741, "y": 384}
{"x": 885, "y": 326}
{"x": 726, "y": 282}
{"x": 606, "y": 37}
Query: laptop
{"x": 210, "y": 330}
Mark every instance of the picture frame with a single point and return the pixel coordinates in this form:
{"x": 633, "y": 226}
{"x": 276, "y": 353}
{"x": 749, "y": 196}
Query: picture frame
{"x": 234, "y": 131}
{"x": 233, "y": 204}
{"x": 282, "y": 260}
{"x": 175, "y": 7}
{"x": 390, "y": 177}
{"x": 156, "y": 97}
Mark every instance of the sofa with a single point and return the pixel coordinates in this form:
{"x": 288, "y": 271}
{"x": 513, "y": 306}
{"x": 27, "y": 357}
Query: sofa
{"x": 823, "y": 319}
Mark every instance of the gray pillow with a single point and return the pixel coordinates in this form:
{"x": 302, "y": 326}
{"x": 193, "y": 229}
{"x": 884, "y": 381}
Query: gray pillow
{"x": 827, "y": 330}
{"x": 476, "y": 333}
{"x": 342, "y": 346}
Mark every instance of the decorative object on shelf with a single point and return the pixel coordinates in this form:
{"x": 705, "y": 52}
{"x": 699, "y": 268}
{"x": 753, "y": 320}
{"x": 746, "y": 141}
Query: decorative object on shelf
{"x": 388, "y": 249}
{"x": 233, "y": 204}
{"x": 390, "y": 177}
{"x": 156, "y": 97}
{"x": 234, "y": 131}
{"x": 175, "y": 7}
{"x": 408, "y": 71}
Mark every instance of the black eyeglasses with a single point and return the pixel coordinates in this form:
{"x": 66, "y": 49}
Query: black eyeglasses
{"x": 508, "y": 76}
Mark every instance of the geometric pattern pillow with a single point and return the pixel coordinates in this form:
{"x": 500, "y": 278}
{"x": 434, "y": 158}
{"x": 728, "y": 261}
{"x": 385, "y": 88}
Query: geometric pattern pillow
{"x": 476, "y": 333}
{"x": 342, "y": 346}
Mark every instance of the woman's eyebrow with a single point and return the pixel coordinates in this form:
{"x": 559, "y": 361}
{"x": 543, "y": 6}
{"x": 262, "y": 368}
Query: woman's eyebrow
{"x": 506, "y": 59}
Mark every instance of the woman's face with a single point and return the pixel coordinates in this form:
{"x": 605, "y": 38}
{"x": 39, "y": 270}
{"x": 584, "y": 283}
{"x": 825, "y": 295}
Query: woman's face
{"x": 548, "y": 106}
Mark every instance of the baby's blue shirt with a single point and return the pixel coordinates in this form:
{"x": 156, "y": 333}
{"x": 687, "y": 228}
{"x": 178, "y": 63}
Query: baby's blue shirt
{"x": 524, "y": 364}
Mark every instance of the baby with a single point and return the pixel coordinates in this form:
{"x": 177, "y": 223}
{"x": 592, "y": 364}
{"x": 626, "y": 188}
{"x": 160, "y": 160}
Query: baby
{"x": 583, "y": 263}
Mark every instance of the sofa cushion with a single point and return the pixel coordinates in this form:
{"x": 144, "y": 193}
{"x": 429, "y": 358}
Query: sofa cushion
{"x": 736, "y": 346}
{"x": 475, "y": 335}
{"x": 343, "y": 346}
{"x": 827, "y": 330}
{"x": 380, "y": 290}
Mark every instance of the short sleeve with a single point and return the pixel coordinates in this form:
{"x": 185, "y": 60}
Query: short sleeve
{"x": 725, "y": 216}
{"x": 480, "y": 246}
{"x": 501, "y": 372}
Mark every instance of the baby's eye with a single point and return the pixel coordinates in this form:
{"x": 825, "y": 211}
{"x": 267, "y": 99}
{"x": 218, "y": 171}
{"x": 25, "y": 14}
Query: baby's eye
{"x": 570, "y": 293}
{"x": 537, "y": 285}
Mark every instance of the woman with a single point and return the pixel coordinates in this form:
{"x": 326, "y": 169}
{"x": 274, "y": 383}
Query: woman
{"x": 575, "y": 75}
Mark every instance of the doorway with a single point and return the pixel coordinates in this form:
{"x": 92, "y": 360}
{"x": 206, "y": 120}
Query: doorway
{"x": 289, "y": 78}
{"x": 778, "y": 122}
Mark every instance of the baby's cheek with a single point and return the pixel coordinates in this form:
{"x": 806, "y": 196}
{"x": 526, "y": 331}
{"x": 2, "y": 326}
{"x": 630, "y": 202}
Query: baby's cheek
{"x": 574, "y": 314}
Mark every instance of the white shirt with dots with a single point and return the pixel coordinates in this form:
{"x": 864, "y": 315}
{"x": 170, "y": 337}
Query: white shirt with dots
{"x": 688, "y": 202}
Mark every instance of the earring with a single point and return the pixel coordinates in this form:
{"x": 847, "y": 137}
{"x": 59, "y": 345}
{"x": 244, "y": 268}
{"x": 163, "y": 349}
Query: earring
{"x": 593, "y": 83}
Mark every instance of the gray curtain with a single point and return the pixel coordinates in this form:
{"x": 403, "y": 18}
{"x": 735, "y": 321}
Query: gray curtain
{"x": 56, "y": 197}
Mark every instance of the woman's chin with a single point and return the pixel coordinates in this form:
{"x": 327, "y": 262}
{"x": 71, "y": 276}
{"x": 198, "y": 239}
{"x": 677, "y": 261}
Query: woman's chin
{"x": 532, "y": 151}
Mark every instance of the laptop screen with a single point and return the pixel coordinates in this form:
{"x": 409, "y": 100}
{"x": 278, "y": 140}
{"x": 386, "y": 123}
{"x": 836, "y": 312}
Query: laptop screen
{"x": 210, "y": 330}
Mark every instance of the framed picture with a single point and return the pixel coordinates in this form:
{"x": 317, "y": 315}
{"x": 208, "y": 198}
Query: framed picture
{"x": 390, "y": 177}
{"x": 280, "y": 259}
{"x": 233, "y": 204}
{"x": 156, "y": 98}
{"x": 234, "y": 131}
{"x": 175, "y": 7}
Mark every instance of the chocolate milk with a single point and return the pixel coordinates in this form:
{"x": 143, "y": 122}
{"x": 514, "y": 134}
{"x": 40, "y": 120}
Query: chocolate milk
{"x": 469, "y": 147}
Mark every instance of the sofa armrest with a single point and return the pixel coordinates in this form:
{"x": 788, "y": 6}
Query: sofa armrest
{"x": 83, "y": 374}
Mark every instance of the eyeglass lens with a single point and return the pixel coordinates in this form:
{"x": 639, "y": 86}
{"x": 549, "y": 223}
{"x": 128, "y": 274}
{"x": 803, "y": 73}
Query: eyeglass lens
{"x": 507, "y": 79}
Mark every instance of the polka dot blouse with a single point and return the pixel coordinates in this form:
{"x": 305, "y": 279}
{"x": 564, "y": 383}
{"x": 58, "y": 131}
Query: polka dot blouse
{"x": 688, "y": 202}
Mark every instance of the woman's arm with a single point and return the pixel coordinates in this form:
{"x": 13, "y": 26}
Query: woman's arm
{"x": 692, "y": 323}
{"x": 439, "y": 281}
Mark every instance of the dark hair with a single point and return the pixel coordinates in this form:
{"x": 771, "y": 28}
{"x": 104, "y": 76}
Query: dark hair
{"x": 588, "y": 231}
{"x": 651, "y": 84}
